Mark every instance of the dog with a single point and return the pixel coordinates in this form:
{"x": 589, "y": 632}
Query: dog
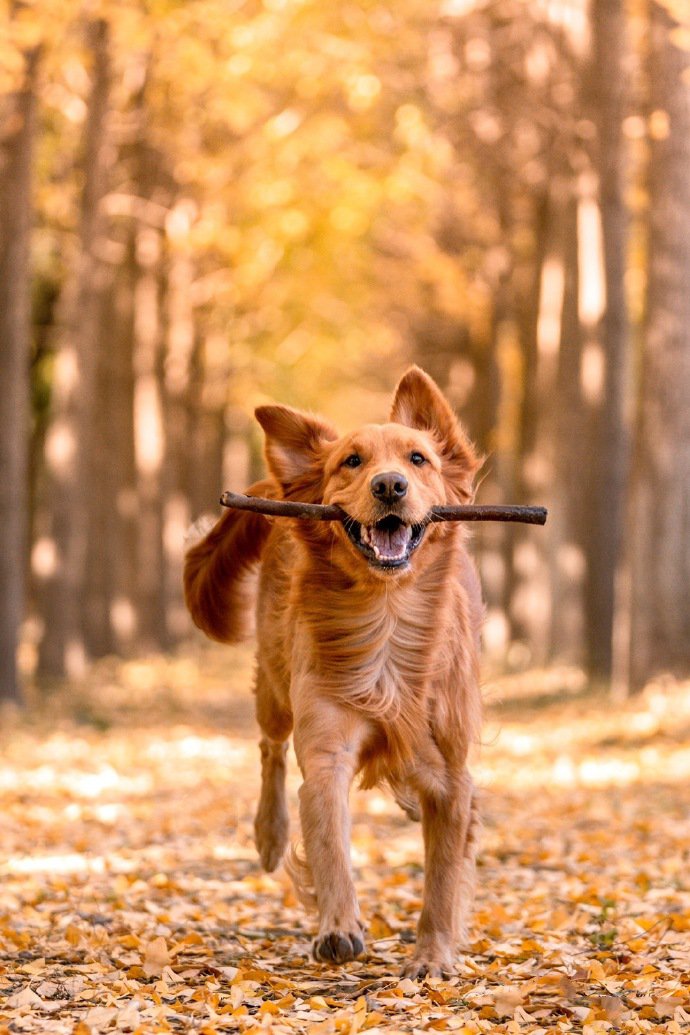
{"x": 368, "y": 650}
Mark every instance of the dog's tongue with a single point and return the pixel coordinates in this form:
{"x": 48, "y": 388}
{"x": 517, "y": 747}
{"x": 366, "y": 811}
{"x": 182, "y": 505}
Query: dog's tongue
{"x": 390, "y": 544}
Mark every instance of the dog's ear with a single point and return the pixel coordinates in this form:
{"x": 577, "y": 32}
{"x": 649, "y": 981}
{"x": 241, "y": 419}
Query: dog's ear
{"x": 419, "y": 403}
{"x": 294, "y": 447}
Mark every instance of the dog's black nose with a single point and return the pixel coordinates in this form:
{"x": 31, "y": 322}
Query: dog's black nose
{"x": 389, "y": 487}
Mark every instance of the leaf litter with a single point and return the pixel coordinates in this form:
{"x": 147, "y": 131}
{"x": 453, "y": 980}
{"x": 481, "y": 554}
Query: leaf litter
{"x": 131, "y": 898}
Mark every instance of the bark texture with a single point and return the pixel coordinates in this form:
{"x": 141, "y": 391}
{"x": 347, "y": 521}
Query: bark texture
{"x": 17, "y": 117}
{"x": 660, "y": 540}
{"x": 70, "y": 446}
{"x": 609, "y": 84}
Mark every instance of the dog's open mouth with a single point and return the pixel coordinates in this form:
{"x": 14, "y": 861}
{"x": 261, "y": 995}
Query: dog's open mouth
{"x": 388, "y": 543}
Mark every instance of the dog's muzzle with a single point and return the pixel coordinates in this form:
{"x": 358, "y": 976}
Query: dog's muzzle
{"x": 389, "y": 543}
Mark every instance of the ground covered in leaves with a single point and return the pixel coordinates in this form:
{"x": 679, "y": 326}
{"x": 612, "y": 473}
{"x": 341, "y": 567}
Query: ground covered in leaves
{"x": 131, "y": 899}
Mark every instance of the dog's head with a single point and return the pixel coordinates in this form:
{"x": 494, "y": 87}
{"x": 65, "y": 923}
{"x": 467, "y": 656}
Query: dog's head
{"x": 386, "y": 477}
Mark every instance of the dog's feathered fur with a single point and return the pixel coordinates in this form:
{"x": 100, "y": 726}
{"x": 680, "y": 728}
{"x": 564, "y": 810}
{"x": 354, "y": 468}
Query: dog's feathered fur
{"x": 373, "y": 664}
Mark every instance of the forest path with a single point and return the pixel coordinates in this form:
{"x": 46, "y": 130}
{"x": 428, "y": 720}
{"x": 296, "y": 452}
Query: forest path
{"x": 131, "y": 897}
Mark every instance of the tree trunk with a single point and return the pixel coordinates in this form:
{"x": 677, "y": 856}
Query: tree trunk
{"x": 69, "y": 447}
{"x": 109, "y": 611}
{"x": 177, "y": 393}
{"x": 150, "y": 440}
{"x": 572, "y": 484}
{"x": 535, "y": 556}
{"x": 609, "y": 78}
{"x": 16, "y": 145}
{"x": 660, "y": 537}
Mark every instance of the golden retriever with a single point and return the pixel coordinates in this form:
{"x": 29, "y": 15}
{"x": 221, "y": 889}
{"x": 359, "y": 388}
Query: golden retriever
{"x": 368, "y": 643}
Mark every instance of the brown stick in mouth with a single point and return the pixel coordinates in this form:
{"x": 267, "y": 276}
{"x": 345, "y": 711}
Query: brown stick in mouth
{"x": 326, "y": 512}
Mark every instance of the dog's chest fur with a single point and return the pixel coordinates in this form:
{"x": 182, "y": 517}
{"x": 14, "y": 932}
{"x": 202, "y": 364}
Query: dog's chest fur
{"x": 379, "y": 651}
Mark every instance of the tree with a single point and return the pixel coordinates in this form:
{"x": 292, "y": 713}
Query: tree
{"x": 503, "y": 88}
{"x": 17, "y": 124}
{"x": 609, "y": 77}
{"x": 660, "y": 527}
{"x": 69, "y": 441}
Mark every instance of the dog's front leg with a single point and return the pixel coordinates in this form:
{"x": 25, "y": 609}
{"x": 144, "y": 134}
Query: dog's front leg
{"x": 447, "y": 822}
{"x": 327, "y": 742}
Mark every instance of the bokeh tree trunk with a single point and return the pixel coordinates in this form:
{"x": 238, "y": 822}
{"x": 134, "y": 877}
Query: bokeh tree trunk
{"x": 609, "y": 80}
{"x": 17, "y": 118}
{"x": 660, "y": 529}
{"x": 573, "y": 447}
{"x": 108, "y": 606}
{"x": 70, "y": 440}
{"x": 150, "y": 444}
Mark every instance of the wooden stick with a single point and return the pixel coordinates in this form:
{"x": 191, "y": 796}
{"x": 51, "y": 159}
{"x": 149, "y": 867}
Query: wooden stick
{"x": 323, "y": 512}
{"x": 499, "y": 512}
{"x": 282, "y": 508}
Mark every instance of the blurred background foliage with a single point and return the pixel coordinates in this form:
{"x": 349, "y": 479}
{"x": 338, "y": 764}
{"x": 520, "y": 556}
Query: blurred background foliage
{"x": 208, "y": 204}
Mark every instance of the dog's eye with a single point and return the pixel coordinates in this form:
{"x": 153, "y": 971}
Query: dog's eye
{"x": 353, "y": 460}
{"x": 417, "y": 459}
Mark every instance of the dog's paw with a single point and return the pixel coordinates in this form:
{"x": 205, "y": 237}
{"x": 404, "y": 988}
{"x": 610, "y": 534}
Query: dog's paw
{"x": 271, "y": 836}
{"x": 418, "y": 968}
{"x": 338, "y": 946}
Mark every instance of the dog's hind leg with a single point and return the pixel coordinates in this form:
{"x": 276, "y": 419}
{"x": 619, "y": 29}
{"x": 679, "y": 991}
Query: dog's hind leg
{"x": 272, "y": 825}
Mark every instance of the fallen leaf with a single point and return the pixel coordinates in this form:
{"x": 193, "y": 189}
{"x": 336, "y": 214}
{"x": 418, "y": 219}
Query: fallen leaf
{"x": 24, "y": 999}
{"x": 156, "y": 957}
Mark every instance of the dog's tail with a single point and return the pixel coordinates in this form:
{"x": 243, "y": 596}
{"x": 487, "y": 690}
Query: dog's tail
{"x": 218, "y": 570}
{"x": 299, "y": 872}
{"x": 468, "y": 874}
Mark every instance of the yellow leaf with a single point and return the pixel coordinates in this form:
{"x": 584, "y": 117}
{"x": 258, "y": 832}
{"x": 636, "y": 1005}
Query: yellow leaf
{"x": 326, "y": 1027}
{"x": 317, "y": 1002}
{"x": 192, "y": 939}
{"x": 24, "y": 999}
{"x": 170, "y": 977}
{"x": 286, "y": 1001}
{"x": 269, "y": 1007}
{"x": 35, "y": 967}
{"x": 156, "y": 957}
{"x": 379, "y": 927}
{"x": 373, "y": 1019}
{"x": 595, "y": 971}
{"x": 507, "y": 997}
{"x": 437, "y": 996}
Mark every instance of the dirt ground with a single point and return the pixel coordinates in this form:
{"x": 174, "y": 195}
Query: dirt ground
{"x": 131, "y": 899}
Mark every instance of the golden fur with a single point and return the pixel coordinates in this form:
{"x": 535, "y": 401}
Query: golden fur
{"x": 370, "y": 659}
